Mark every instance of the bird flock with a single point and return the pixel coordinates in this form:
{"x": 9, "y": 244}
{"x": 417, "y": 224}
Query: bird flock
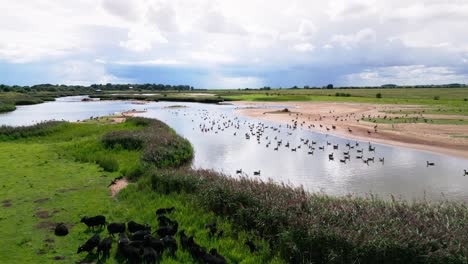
{"x": 277, "y": 137}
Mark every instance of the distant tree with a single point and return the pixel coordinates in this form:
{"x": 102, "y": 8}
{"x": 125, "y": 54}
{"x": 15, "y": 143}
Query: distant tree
{"x": 330, "y": 86}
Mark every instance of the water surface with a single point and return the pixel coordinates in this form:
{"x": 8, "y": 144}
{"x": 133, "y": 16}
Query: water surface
{"x": 218, "y": 136}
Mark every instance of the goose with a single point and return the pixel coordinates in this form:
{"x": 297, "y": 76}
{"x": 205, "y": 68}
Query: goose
{"x": 382, "y": 160}
{"x": 293, "y": 149}
{"x": 343, "y": 160}
{"x": 257, "y": 172}
{"x": 239, "y": 171}
{"x": 310, "y": 153}
{"x": 359, "y": 157}
{"x": 466, "y": 173}
{"x": 430, "y": 163}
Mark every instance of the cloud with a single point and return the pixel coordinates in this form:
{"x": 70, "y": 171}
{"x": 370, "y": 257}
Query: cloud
{"x": 155, "y": 62}
{"x": 215, "y": 22}
{"x": 163, "y": 16}
{"x": 406, "y": 75}
{"x": 83, "y": 73}
{"x": 142, "y": 38}
{"x": 255, "y": 41}
{"x": 129, "y": 10}
{"x": 304, "y": 47}
{"x": 363, "y": 36}
{"x": 210, "y": 57}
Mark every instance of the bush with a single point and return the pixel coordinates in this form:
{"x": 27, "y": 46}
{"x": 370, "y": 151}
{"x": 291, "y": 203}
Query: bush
{"x": 378, "y": 95}
{"x": 134, "y": 172}
{"x": 343, "y": 94}
{"x": 436, "y": 97}
{"x": 317, "y": 228}
{"x": 7, "y": 107}
{"x": 109, "y": 164}
{"x": 173, "y": 153}
{"x": 129, "y": 140}
{"x": 161, "y": 146}
{"x": 40, "y": 129}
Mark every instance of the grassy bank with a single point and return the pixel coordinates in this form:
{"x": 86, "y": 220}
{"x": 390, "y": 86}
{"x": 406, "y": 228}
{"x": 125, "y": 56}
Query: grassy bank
{"x": 59, "y": 172}
{"x": 165, "y": 97}
{"x": 317, "y": 228}
{"x": 9, "y": 101}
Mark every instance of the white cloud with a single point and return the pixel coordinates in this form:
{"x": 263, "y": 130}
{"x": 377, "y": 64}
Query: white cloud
{"x": 142, "y": 38}
{"x": 217, "y": 80}
{"x": 155, "y": 62}
{"x": 363, "y": 36}
{"x": 84, "y": 73}
{"x": 406, "y": 75}
{"x": 215, "y": 22}
{"x": 304, "y": 47}
{"x": 217, "y": 35}
{"x": 210, "y": 57}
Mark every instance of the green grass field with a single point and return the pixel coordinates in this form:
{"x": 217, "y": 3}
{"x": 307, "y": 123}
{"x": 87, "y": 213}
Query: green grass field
{"x": 43, "y": 184}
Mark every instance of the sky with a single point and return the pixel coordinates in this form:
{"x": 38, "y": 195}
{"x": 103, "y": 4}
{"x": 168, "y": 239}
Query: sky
{"x": 234, "y": 43}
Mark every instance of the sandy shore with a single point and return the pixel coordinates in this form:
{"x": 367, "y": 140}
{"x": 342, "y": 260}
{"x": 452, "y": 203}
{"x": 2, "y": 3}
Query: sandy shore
{"x": 322, "y": 116}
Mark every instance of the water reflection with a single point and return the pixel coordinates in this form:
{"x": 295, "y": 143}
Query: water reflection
{"x": 404, "y": 172}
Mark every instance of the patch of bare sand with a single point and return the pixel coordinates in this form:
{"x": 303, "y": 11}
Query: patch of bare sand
{"x": 322, "y": 116}
{"x": 118, "y": 186}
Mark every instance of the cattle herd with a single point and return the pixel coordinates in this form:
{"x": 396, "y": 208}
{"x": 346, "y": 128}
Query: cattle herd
{"x": 136, "y": 243}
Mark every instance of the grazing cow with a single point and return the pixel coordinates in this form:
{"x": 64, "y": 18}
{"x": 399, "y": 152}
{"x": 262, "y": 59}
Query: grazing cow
{"x": 104, "y": 247}
{"x": 116, "y": 228}
{"x": 168, "y": 230}
{"x": 251, "y": 246}
{"x": 130, "y": 253}
{"x": 214, "y": 257}
{"x": 90, "y": 244}
{"x": 162, "y": 211}
{"x": 184, "y": 240}
{"x": 61, "y": 230}
{"x": 170, "y": 244}
{"x": 154, "y": 243}
{"x": 212, "y": 229}
{"x": 98, "y": 220}
{"x": 134, "y": 226}
{"x": 165, "y": 221}
{"x": 150, "y": 256}
{"x": 140, "y": 235}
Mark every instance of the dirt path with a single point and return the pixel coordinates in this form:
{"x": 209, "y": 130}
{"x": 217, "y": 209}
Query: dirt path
{"x": 118, "y": 186}
{"x": 346, "y": 118}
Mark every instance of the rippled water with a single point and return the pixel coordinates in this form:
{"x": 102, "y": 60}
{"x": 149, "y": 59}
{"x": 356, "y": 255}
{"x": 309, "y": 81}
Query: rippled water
{"x": 403, "y": 174}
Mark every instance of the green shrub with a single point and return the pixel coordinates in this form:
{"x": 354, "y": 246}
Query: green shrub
{"x": 378, "y": 95}
{"x": 134, "y": 172}
{"x": 317, "y": 228}
{"x": 173, "y": 153}
{"x": 40, "y": 129}
{"x": 130, "y": 140}
{"x": 107, "y": 163}
{"x": 436, "y": 97}
{"x": 7, "y": 107}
